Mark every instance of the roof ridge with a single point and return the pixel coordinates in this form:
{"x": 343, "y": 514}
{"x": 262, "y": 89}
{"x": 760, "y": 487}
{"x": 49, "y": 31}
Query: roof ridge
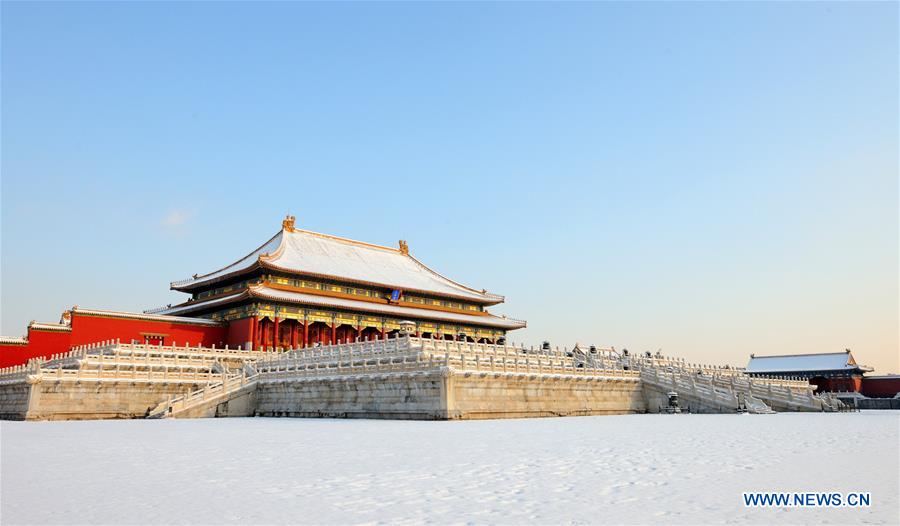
{"x": 438, "y": 274}
{"x": 345, "y": 239}
{"x": 801, "y": 354}
{"x": 49, "y": 326}
{"x": 257, "y": 249}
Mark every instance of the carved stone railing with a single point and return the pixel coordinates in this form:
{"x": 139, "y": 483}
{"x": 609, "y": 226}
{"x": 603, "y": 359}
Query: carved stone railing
{"x": 19, "y": 373}
{"x": 408, "y": 354}
{"x": 709, "y": 381}
{"x": 293, "y": 370}
{"x": 160, "y": 375}
{"x": 687, "y": 384}
{"x": 111, "y": 358}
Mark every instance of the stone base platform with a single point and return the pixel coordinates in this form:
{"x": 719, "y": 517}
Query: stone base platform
{"x": 403, "y": 378}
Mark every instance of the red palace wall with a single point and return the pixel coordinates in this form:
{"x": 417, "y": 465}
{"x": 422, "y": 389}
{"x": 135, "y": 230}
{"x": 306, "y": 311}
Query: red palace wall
{"x": 884, "y": 387}
{"x": 13, "y": 354}
{"x": 851, "y": 384}
{"x": 239, "y": 332}
{"x": 89, "y": 328}
{"x": 40, "y": 343}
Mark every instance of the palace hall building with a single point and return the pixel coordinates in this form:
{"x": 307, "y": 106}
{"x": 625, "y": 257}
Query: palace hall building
{"x": 303, "y": 287}
{"x": 298, "y": 289}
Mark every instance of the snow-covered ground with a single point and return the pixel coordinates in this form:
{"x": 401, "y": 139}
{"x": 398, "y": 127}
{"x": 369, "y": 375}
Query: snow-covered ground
{"x": 639, "y": 469}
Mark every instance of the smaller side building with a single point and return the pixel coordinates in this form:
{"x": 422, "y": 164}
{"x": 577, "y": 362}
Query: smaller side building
{"x": 79, "y": 326}
{"x": 833, "y": 372}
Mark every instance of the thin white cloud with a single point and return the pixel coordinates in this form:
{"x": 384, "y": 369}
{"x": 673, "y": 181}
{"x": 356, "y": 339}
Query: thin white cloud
{"x": 176, "y": 218}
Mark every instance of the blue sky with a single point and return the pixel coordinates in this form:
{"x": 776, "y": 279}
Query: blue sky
{"x": 711, "y": 179}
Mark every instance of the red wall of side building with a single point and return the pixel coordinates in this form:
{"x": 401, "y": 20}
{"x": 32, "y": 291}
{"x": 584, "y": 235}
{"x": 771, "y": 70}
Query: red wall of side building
{"x": 844, "y": 384}
{"x": 89, "y": 328}
{"x": 881, "y": 387}
{"x": 11, "y": 354}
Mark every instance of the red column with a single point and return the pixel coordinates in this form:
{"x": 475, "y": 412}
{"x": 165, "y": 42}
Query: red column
{"x": 253, "y": 332}
{"x": 265, "y": 333}
{"x": 359, "y": 332}
{"x": 305, "y": 333}
{"x": 260, "y": 332}
{"x": 333, "y": 333}
{"x": 383, "y": 334}
{"x": 257, "y": 333}
{"x": 276, "y": 338}
{"x": 293, "y": 336}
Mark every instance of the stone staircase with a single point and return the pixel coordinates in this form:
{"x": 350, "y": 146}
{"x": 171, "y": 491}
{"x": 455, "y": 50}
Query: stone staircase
{"x": 215, "y": 399}
{"x": 723, "y": 389}
{"x": 693, "y": 394}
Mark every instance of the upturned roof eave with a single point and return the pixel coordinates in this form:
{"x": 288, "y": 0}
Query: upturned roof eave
{"x": 190, "y": 306}
{"x": 496, "y": 298}
{"x": 213, "y": 277}
{"x": 189, "y": 287}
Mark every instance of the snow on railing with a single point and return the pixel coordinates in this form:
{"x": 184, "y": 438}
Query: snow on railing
{"x": 107, "y": 346}
{"x": 406, "y": 354}
{"x": 667, "y": 363}
{"x": 787, "y": 392}
{"x": 156, "y": 375}
{"x": 19, "y": 373}
{"x": 113, "y": 360}
{"x": 685, "y": 382}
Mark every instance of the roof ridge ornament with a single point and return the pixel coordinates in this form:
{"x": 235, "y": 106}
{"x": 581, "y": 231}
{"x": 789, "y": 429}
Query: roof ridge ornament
{"x": 404, "y": 248}
{"x": 288, "y": 223}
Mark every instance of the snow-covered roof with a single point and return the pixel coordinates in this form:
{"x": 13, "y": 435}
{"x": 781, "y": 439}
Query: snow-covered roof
{"x": 50, "y": 326}
{"x": 835, "y": 361}
{"x": 261, "y": 291}
{"x": 13, "y": 340}
{"x": 247, "y": 262}
{"x": 321, "y": 255}
{"x": 191, "y": 306}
